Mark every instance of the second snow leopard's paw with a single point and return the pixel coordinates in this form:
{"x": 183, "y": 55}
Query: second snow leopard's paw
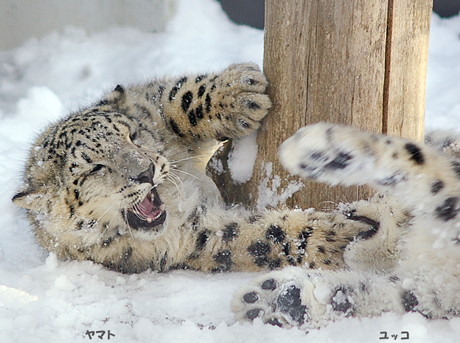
{"x": 329, "y": 153}
{"x": 238, "y": 99}
{"x": 292, "y": 297}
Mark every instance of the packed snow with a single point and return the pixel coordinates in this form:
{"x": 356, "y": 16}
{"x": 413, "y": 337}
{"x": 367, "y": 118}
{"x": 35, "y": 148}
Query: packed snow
{"x": 46, "y": 300}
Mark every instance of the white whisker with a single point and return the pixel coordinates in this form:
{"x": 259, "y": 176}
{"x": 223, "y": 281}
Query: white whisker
{"x": 103, "y": 214}
{"x": 171, "y": 179}
{"x": 184, "y": 172}
{"x": 188, "y": 158}
{"x": 125, "y": 214}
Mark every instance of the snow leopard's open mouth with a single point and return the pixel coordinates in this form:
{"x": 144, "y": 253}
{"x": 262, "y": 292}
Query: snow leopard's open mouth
{"x": 147, "y": 214}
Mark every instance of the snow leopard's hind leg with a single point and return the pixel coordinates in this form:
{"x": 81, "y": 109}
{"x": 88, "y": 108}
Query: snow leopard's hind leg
{"x": 426, "y": 278}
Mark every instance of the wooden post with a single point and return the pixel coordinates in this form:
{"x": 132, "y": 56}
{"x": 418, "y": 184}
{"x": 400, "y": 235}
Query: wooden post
{"x": 360, "y": 63}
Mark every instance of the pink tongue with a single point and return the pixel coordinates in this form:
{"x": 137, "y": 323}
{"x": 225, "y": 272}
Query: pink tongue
{"x": 147, "y": 209}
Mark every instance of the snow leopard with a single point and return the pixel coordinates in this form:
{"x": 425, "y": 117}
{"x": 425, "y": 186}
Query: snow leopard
{"x": 123, "y": 183}
{"x": 411, "y": 263}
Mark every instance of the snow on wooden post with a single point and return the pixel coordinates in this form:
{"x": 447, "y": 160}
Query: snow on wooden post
{"x": 360, "y": 63}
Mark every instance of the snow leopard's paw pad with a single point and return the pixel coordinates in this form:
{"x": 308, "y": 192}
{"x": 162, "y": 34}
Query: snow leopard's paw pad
{"x": 326, "y": 152}
{"x": 293, "y": 297}
{"x": 275, "y": 303}
{"x": 238, "y": 99}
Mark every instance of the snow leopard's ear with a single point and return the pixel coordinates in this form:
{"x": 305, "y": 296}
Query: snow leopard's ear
{"x": 30, "y": 199}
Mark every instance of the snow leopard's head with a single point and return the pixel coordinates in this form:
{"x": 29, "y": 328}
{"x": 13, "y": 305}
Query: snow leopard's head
{"x": 94, "y": 177}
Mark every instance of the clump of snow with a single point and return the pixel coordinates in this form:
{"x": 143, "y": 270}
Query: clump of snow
{"x": 43, "y": 300}
{"x": 242, "y": 158}
{"x": 52, "y": 261}
{"x": 269, "y": 192}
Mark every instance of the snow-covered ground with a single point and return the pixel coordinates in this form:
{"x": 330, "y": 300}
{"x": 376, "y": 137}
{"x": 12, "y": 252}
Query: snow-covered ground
{"x": 45, "y": 300}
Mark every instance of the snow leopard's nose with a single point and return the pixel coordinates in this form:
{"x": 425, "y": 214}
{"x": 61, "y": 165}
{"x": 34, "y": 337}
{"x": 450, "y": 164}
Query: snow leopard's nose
{"x": 147, "y": 176}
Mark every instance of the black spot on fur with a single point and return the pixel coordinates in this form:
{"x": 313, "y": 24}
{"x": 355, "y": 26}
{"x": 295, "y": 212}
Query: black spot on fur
{"x": 77, "y": 194}
{"x": 230, "y": 232}
{"x": 340, "y": 301}
{"x": 436, "y": 186}
{"x": 192, "y": 118}
{"x": 254, "y": 218}
{"x": 199, "y": 78}
{"x": 394, "y": 279}
{"x": 259, "y": 249}
{"x": 287, "y": 248}
{"x": 161, "y": 89}
{"x": 107, "y": 242}
{"x": 172, "y": 94}
{"x": 302, "y": 245}
{"x": 269, "y": 285}
{"x": 102, "y": 103}
{"x": 275, "y": 233}
{"x": 409, "y": 301}
{"x": 273, "y": 264}
{"x": 289, "y": 302}
{"x": 321, "y": 249}
{"x": 163, "y": 261}
{"x": 207, "y": 103}
{"x": 86, "y": 157}
{"x": 202, "y": 239}
{"x": 330, "y": 134}
{"x": 415, "y": 152}
{"x": 312, "y": 265}
{"x": 316, "y": 156}
{"x": 261, "y": 261}
{"x": 391, "y": 180}
{"x": 341, "y": 161}
{"x": 201, "y": 90}
{"x": 186, "y": 100}
{"x": 250, "y": 298}
{"x": 199, "y": 112}
{"x": 224, "y": 261}
{"x": 330, "y": 236}
{"x": 448, "y": 210}
{"x": 175, "y": 128}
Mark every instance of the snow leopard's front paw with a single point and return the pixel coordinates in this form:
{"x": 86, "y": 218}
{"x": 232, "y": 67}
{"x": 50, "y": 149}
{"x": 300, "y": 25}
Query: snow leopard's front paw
{"x": 329, "y": 153}
{"x": 292, "y": 297}
{"x": 238, "y": 100}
